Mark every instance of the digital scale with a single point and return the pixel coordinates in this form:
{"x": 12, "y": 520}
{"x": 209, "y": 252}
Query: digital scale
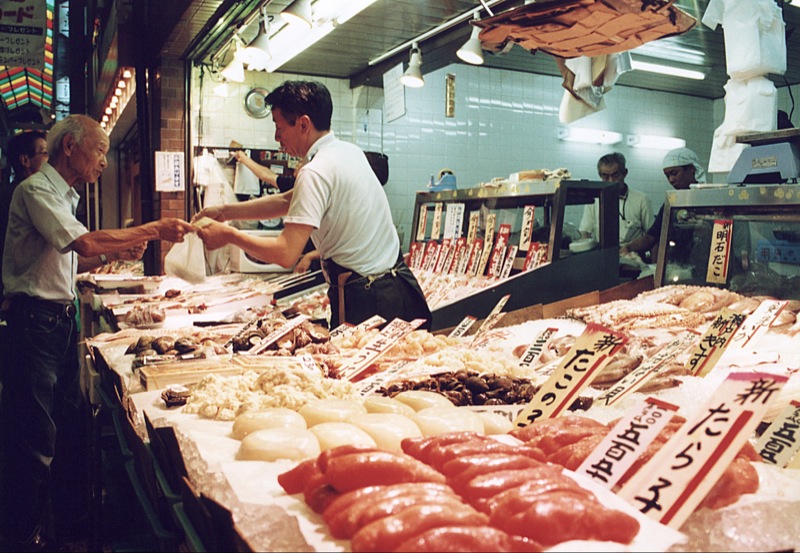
{"x": 772, "y": 158}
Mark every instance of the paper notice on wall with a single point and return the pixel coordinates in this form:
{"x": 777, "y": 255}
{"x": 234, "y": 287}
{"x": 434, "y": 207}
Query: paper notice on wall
{"x": 394, "y": 94}
{"x": 23, "y": 26}
{"x": 170, "y": 175}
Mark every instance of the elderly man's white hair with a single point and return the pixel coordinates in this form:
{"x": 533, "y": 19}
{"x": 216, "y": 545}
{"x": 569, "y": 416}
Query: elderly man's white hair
{"x": 76, "y": 124}
{"x": 680, "y": 157}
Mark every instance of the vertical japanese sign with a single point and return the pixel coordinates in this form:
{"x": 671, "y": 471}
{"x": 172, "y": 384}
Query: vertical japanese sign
{"x": 472, "y": 228}
{"x": 422, "y": 222}
{"x": 677, "y": 478}
{"x": 394, "y": 94}
{"x": 23, "y": 32}
{"x": 436, "y": 226}
{"x": 713, "y": 343}
{"x": 453, "y": 221}
{"x": 781, "y": 440}
{"x": 526, "y": 231}
{"x": 588, "y": 355}
{"x": 170, "y": 175}
{"x": 719, "y": 254}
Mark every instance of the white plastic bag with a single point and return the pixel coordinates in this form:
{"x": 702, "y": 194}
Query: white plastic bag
{"x": 187, "y": 260}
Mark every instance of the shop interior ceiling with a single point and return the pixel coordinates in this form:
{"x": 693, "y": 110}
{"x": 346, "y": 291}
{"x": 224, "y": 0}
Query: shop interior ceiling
{"x": 207, "y": 28}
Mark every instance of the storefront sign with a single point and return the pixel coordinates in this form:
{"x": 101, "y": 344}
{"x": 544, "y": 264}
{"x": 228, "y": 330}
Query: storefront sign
{"x": 23, "y": 32}
{"x": 677, "y": 478}
{"x": 588, "y": 355}
{"x": 781, "y": 440}
{"x": 719, "y": 254}
{"x": 627, "y": 441}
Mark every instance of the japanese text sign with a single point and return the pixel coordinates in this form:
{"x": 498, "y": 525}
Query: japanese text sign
{"x": 589, "y": 354}
{"x": 380, "y": 344}
{"x": 720, "y": 251}
{"x": 781, "y": 440}
{"x": 23, "y": 33}
{"x": 677, "y": 478}
{"x": 535, "y": 350}
{"x": 713, "y": 343}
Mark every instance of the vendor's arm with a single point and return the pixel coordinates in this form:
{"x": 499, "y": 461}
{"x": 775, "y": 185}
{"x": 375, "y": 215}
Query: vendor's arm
{"x": 131, "y": 254}
{"x": 304, "y": 264}
{"x": 270, "y": 206}
{"x": 640, "y": 245}
{"x": 98, "y": 242}
{"x": 283, "y": 250}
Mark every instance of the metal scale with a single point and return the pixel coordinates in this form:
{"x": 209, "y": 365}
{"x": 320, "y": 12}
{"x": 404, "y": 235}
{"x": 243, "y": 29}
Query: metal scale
{"x": 772, "y": 158}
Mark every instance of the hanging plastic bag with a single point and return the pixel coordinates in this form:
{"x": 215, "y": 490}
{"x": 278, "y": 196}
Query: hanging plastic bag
{"x": 187, "y": 260}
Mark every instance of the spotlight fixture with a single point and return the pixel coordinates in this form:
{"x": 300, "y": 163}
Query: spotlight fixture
{"x": 413, "y": 75}
{"x": 234, "y": 71}
{"x": 298, "y": 12}
{"x": 471, "y": 51}
{"x": 257, "y": 52}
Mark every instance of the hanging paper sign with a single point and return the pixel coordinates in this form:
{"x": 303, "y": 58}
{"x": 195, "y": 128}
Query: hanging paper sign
{"x": 535, "y": 350}
{"x": 453, "y": 221}
{"x": 170, "y": 176}
{"x": 588, "y": 355}
{"x": 526, "y": 231}
{"x": 680, "y": 474}
{"x": 422, "y": 222}
{"x": 781, "y": 440}
{"x": 647, "y": 369}
{"x": 509, "y": 262}
{"x": 463, "y": 327}
{"x": 436, "y": 228}
{"x": 23, "y": 33}
{"x": 627, "y": 441}
{"x": 472, "y": 229}
{"x": 757, "y": 323}
{"x": 277, "y": 334}
{"x": 380, "y": 344}
{"x": 720, "y": 251}
{"x": 713, "y": 343}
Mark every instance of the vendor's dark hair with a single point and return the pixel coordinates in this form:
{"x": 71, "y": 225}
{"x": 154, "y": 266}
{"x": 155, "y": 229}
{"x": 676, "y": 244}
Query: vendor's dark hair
{"x": 298, "y": 98}
{"x": 23, "y": 144}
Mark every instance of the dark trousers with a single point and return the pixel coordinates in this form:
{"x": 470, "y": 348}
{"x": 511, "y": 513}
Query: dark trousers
{"x": 43, "y": 424}
{"x": 396, "y": 294}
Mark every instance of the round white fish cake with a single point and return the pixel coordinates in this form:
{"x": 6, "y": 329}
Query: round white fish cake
{"x": 388, "y": 429}
{"x": 383, "y": 404}
{"x": 273, "y": 417}
{"x": 331, "y": 410}
{"x": 272, "y": 444}
{"x": 495, "y": 423}
{"x": 334, "y": 434}
{"x": 433, "y": 421}
{"x": 422, "y": 399}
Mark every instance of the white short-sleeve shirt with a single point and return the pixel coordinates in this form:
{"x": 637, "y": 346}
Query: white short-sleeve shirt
{"x": 635, "y": 217}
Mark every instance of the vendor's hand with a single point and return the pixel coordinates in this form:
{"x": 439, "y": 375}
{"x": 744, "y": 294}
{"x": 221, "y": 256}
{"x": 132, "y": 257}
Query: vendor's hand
{"x": 215, "y": 235}
{"x": 134, "y": 253}
{"x": 239, "y": 155}
{"x": 303, "y": 265}
{"x": 623, "y": 250}
{"x": 214, "y": 213}
{"x": 173, "y": 229}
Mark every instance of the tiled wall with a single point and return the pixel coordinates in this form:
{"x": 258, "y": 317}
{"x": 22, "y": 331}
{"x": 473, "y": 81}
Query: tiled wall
{"x": 504, "y": 122}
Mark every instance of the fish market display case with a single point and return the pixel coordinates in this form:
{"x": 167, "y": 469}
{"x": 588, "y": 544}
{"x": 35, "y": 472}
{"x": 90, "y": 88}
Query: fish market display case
{"x": 554, "y": 208}
{"x": 743, "y": 238}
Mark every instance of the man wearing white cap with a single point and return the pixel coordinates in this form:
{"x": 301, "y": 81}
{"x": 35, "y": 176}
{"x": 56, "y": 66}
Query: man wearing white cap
{"x": 682, "y": 168}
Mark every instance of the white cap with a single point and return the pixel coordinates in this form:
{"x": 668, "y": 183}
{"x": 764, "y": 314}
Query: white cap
{"x": 680, "y": 157}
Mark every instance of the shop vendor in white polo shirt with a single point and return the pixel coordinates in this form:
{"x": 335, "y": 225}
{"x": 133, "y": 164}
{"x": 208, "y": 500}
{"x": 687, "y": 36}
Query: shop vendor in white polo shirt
{"x": 338, "y": 203}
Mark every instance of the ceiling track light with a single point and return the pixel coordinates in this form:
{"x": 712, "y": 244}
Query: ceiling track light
{"x": 298, "y": 13}
{"x": 258, "y": 52}
{"x": 472, "y": 51}
{"x": 234, "y": 71}
{"x": 413, "y": 75}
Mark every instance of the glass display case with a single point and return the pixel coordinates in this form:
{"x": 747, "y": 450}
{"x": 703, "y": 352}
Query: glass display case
{"x": 529, "y": 214}
{"x": 743, "y": 238}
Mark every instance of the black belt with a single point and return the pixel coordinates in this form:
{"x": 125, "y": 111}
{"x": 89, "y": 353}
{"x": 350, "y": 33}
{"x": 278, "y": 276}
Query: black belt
{"x": 60, "y": 309}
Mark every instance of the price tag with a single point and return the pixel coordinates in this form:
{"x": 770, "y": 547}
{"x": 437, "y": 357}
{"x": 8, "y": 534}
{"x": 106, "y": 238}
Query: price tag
{"x": 509, "y": 262}
{"x": 627, "y": 441}
{"x": 677, "y": 478}
{"x": 757, "y": 323}
{"x": 488, "y": 240}
{"x": 781, "y": 440}
{"x": 453, "y": 221}
{"x": 431, "y": 256}
{"x": 346, "y": 329}
{"x": 474, "y": 257}
{"x": 713, "y": 343}
{"x": 482, "y": 339}
{"x": 648, "y": 369}
{"x": 422, "y": 222}
{"x": 720, "y": 251}
{"x": 536, "y": 256}
{"x": 379, "y": 380}
{"x": 526, "y": 231}
{"x": 588, "y": 355}
{"x": 495, "y": 310}
{"x": 535, "y": 350}
{"x": 499, "y": 250}
{"x": 459, "y": 251}
{"x": 472, "y": 229}
{"x": 442, "y": 255}
{"x": 463, "y": 327}
{"x": 380, "y": 344}
{"x": 277, "y": 334}
{"x": 436, "y": 227}
{"x": 413, "y": 255}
